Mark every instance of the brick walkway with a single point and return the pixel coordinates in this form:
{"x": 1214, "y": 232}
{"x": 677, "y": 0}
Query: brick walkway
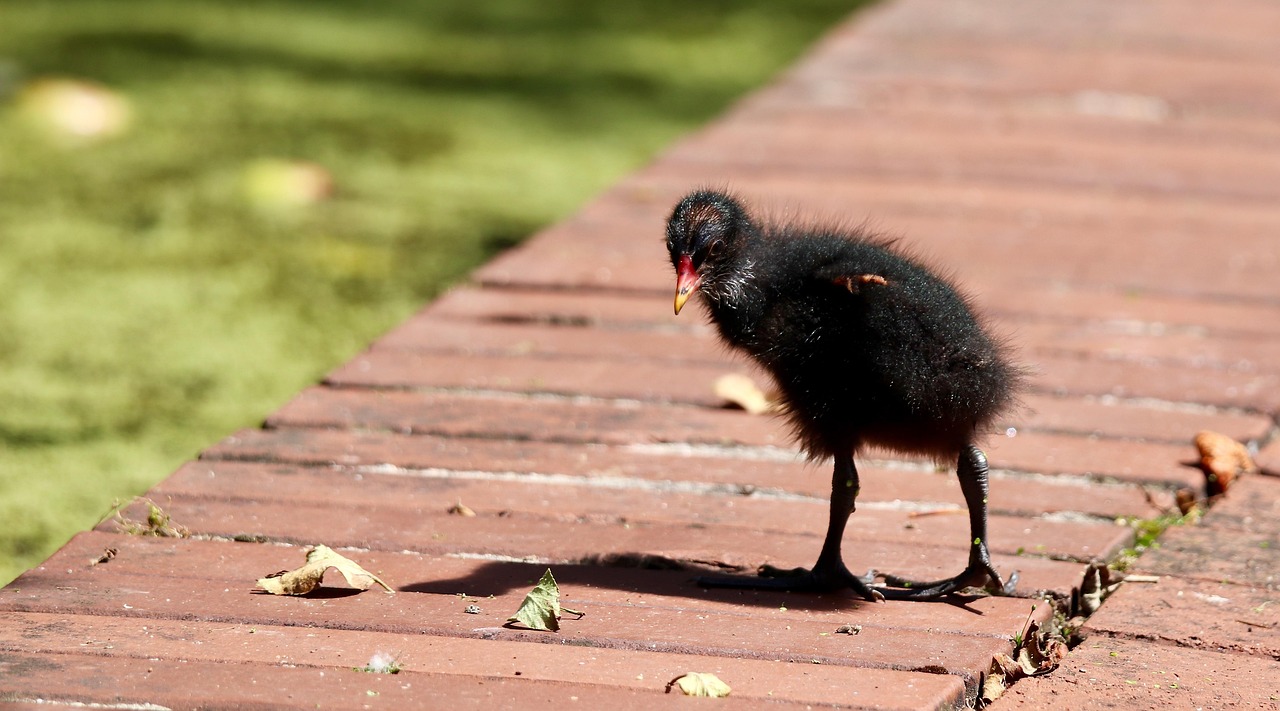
{"x": 1104, "y": 177}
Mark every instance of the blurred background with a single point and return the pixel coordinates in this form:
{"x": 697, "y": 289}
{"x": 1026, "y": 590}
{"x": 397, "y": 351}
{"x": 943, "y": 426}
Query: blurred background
{"x": 206, "y": 205}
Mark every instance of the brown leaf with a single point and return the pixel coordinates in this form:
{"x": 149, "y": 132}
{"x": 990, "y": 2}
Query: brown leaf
{"x": 1222, "y": 459}
{"x": 1186, "y": 500}
{"x": 461, "y": 509}
{"x": 1042, "y": 651}
{"x": 307, "y": 578}
{"x": 1099, "y": 582}
{"x": 699, "y": 684}
{"x": 743, "y": 392}
{"x": 993, "y": 687}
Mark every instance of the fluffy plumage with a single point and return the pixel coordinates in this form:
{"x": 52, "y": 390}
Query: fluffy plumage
{"x": 867, "y": 346}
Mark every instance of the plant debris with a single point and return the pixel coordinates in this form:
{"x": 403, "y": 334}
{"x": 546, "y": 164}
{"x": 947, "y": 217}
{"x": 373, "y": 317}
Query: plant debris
{"x": 307, "y": 578}
{"x": 382, "y": 663}
{"x": 1038, "y": 650}
{"x": 461, "y": 509}
{"x": 1186, "y": 500}
{"x": 1223, "y": 460}
{"x": 743, "y": 392}
{"x": 541, "y": 607}
{"x": 158, "y": 523}
{"x": 699, "y": 684}
{"x": 849, "y": 629}
{"x": 1099, "y": 582}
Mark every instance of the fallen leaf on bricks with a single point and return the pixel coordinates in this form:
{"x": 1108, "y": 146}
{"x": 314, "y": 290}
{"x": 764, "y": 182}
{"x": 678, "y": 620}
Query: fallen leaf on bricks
{"x": 743, "y": 392}
{"x": 541, "y": 607}
{"x": 1098, "y": 583}
{"x": 461, "y": 509}
{"x": 699, "y": 684}
{"x": 1040, "y": 653}
{"x": 307, "y": 578}
{"x": 1185, "y": 498}
{"x": 1223, "y": 459}
{"x": 994, "y": 686}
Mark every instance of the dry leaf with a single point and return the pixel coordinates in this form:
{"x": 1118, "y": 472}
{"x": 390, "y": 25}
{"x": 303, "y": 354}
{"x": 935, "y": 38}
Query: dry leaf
{"x": 1223, "y": 459}
{"x": 307, "y": 578}
{"x": 994, "y": 685}
{"x": 1186, "y": 500}
{"x": 743, "y": 392}
{"x": 1040, "y": 653}
{"x": 461, "y": 509}
{"x": 1098, "y": 583}
{"x": 541, "y": 607}
{"x": 699, "y": 684}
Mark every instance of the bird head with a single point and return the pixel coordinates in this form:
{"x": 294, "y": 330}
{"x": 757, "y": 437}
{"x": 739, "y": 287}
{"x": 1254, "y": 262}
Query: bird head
{"x": 704, "y": 234}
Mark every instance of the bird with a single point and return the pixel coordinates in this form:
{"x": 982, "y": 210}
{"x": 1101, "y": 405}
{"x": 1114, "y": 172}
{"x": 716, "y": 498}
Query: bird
{"x": 869, "y": 349}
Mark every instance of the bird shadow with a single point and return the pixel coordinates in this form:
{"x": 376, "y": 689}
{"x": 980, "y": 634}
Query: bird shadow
{"x": 320, "y": 593}
{"x": 646, "y": 575}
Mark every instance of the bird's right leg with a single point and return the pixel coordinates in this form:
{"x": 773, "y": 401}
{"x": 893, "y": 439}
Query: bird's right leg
{"x": 979, "y": 573}
{"x": 829, "y": 573}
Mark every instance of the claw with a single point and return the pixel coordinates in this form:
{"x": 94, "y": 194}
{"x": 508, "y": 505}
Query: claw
{"x": 820, "y": 579}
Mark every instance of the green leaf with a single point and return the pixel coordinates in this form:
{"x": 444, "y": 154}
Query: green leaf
{"x": 700, "y": 684}
{"x": 541, "y": 607}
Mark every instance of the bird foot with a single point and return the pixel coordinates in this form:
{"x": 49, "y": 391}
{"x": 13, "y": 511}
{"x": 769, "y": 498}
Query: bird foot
{"x": 832, "y": 579}
{"x": 821, "y": 579}
{"x": 979, "y": 576}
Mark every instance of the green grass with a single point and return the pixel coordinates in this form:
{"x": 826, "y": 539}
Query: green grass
{"x": 147, "y": 308}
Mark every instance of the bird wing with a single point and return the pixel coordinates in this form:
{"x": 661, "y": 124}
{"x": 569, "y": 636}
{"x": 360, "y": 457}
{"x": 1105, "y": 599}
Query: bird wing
{"x": 855, "y": 282}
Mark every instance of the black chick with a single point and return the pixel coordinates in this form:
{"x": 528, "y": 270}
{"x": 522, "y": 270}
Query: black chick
{"x": 868, "y": 348}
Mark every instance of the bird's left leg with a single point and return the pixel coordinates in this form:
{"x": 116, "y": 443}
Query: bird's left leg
{"x": 829, "y": 573}
{"x": 972, "y": 472}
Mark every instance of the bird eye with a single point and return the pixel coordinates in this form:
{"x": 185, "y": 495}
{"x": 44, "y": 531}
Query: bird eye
{"x": 716, "y": 247}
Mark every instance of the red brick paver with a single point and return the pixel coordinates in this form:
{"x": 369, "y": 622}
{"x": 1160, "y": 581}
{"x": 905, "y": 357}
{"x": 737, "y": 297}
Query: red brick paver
{"x": 1101, "y": 176}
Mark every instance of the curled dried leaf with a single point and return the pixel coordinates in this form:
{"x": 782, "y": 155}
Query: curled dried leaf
{"x": 1222, "y": 459}
{"x": 307, "y": 578}
{"x": 994, "y": 685}
{"x": 461, "y": 509}
{"x": 1186, "y": 500}
{"x": 699, "y": 684}
{"x": 1098, "y": 583}
{"x": 743, "y": 392}
{"x": 1041, "y": 651}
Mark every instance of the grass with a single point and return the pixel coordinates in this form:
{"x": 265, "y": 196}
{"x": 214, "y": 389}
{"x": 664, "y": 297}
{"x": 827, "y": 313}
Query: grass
{"x": 150, "y": 306}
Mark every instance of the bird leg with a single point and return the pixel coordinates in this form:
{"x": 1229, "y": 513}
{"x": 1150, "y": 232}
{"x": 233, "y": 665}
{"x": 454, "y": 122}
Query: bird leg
{"x": 829, "y": 573}
{"x": 972, "y": 472}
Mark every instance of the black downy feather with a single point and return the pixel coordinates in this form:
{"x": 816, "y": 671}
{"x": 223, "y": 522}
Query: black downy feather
{"x": 869, "y": 348}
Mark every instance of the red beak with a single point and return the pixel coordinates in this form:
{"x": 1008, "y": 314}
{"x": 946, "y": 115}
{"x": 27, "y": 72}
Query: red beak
{"x": 687, "y": 281}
